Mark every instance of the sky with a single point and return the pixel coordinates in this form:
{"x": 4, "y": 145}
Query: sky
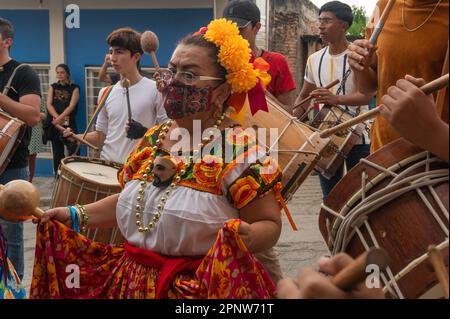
{"x": 368, "y": 5}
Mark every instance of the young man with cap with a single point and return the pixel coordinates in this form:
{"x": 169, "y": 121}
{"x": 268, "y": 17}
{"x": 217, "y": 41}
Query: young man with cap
{"x": 247, "y": 16}
{"x": 328, "y": 64}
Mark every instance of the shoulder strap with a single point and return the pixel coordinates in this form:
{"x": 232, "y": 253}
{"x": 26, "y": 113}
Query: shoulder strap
{"x": 100, "y": 105}
{"x": 320, "y": 66}
{"x": 11, "y": 78}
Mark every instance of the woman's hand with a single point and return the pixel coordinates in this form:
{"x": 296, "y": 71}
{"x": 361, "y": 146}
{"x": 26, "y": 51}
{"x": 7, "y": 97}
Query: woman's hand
{"x": 245, "y": 232}
{"x": 57, "y": 120}
{"x": 61, "y": 214}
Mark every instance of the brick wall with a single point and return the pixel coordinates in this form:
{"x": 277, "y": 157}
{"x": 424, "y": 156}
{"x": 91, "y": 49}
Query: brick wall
{"x": 289, "y": 20}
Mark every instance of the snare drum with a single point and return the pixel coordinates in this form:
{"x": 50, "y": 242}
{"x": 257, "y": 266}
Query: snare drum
{"x": 396, "y": 199}
{"x": 341, "y": 143}
{"x": 11, "y": 133}
{"x": 84, "y": 180}
{"x": 296, "y": 146}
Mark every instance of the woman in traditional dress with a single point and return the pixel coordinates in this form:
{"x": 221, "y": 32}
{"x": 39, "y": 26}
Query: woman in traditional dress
{"x": 192, "y": 218}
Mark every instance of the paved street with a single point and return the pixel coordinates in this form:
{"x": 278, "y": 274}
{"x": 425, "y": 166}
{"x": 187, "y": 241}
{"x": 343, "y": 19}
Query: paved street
{"x": 295, "y": 249}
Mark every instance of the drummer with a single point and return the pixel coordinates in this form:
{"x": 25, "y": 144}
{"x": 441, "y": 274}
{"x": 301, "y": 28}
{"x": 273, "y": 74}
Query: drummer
{"x": 327, "y": 65}
{"x": 193, "y": 229}
{"x": 248, "y": 18}
{"x": 145, "y": 100}
{"x": 416, "y": 43}
{"x": 23, "y": 101}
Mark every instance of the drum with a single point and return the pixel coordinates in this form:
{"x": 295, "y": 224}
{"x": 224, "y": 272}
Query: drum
{"x": 11, "y": 133}
{"x": 84, "y": 180}
{"x": 296, "y": 146}
{"x": 341, "y": 142}
{"x": 395, "y": 199}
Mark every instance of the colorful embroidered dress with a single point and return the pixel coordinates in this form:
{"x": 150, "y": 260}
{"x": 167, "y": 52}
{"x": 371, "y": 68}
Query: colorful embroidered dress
{"x": 194, "y": 251}
{"x": 10, "y": 286}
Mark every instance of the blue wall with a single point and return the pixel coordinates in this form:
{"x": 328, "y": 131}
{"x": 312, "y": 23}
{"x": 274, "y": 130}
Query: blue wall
{"x": 87, "y": 45}
{"x": 32, "y": 36}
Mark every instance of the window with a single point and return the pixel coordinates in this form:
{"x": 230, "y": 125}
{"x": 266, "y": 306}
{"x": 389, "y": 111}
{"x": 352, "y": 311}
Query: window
{"x": 43, "y": 72}
{"x": 93, "y": 87}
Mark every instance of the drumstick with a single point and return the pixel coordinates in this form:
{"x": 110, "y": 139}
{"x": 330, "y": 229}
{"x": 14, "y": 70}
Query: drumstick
{"x": 329, "y": 86}
{"x": 428, "y": 88}
{"x": 79, "y": 139}
{"x": 381, "y": 22}
{"x": 439, "y": 268}
{"x": 356, "y": 272}
{"x": 126, "y": 85}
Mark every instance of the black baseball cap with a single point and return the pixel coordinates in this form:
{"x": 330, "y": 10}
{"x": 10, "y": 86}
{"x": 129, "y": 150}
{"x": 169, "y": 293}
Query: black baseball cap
{"x": 242, "y": 12}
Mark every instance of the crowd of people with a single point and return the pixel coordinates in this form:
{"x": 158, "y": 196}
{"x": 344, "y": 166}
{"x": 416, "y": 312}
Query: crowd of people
{"x": 197, "y": 223}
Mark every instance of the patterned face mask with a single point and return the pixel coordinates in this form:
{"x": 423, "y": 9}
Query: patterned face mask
{"x": 182, "y": 100}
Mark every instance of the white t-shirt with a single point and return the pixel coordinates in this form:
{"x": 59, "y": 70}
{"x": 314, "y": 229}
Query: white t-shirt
{"x": 322, "y": 68}
{"x": 146, "y": 107}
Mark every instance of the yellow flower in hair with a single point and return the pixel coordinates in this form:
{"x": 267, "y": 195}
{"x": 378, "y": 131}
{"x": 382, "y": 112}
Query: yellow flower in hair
{"x": 243, "y": 80}
{"x": 221, "y": 29}
{"x": 234, "y": 53}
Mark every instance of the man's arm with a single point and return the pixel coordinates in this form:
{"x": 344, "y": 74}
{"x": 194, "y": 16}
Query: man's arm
{"x": 27, "y": 109}
{"x": 287, "y": 99}
{"x": 325, "y": 96}
{"x": 363, "y": 62}
{"x": 97, "y": 137}
{"x": 50, "y": 108}
{"x": 102, "y": 76}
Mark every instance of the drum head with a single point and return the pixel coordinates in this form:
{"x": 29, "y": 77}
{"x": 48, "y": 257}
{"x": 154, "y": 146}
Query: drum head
{"x": 94, "y": 171}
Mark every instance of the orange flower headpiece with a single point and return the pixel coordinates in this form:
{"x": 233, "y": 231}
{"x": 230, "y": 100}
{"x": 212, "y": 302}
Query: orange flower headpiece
{"x": 246, "y": 75}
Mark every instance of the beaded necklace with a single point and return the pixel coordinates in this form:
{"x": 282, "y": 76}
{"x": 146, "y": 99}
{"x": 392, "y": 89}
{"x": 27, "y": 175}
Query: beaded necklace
{"x": 175, "y": 180}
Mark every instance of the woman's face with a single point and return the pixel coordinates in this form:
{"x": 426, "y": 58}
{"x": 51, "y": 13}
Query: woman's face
{"x": 189, "y": 96}
{"x": 61, "y": 74}
{"x": 196, "y": 60}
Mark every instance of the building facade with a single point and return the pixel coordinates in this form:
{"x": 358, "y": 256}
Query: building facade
{"x": 50, "y": 32}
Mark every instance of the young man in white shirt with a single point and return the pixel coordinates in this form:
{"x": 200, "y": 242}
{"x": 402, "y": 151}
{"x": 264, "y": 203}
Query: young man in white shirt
{"x": 327, "y": 65}
{"x": 145, "y": 100}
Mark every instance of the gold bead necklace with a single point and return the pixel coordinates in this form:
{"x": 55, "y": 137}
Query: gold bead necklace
{"x": 176, "y": 179}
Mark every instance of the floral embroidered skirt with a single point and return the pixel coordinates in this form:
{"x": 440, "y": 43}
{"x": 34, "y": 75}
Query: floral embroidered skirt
{"x": 69, "y": 265}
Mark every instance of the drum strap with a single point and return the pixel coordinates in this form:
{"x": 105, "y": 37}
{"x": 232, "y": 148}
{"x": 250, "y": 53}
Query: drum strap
{"x": 320, "y": 66}
{"x": 345, "y": 74}
{"x": 11, "y": 78}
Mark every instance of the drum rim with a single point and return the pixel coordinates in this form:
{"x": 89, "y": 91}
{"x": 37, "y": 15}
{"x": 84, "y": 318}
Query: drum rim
{"x": 411, "y": 152}
{"x": 91, "y": 160}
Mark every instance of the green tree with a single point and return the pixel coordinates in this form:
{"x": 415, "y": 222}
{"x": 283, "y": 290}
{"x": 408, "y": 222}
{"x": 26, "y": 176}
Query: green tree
{"x": 359, "y": 22}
